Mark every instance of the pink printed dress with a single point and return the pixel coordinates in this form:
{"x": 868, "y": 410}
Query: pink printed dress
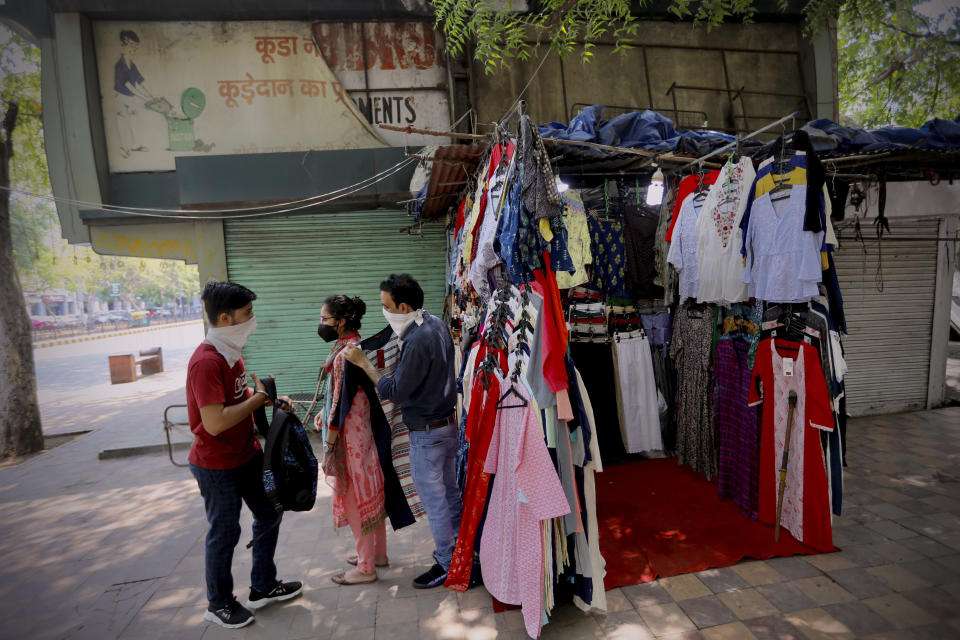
{"x": 526, "y": 490}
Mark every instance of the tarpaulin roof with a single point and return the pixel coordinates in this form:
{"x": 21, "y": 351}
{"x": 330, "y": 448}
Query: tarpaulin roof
{"x": 830, "y": 138}
{"x": 651, "y": 130}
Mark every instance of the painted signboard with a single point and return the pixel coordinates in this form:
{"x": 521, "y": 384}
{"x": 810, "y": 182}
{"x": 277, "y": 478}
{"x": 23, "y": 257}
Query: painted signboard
{"x": 395, "y": 73}
{"x": 175, "y": 88}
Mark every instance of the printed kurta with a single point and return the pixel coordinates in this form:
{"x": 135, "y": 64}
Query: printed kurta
{"x": 526, "y": 490}
{"x": 354, "y": 465}
{"x": 783, "y": 366}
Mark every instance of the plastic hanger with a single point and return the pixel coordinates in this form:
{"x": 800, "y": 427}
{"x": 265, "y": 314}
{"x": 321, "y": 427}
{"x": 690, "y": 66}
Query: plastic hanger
{"x": 512, "y": 391}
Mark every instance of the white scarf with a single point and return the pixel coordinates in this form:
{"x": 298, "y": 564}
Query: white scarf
{"x": 400, "y": 321}
{"x": 229, "y": 341}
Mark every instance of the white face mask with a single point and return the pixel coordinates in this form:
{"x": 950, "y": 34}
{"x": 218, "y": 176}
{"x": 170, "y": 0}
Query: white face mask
{"x": 229, "y": 341}
{"x": 400, "y": 321}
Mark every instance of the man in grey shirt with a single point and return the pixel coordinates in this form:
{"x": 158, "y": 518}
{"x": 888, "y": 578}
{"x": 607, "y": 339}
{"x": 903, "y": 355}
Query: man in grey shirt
{"x": 424, "y": 387}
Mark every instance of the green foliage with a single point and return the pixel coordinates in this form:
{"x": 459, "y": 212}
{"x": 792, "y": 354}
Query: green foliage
{"x": 44, "y": 260}
{"x": 500, "y": 34}
{"x": 896, "y": 65}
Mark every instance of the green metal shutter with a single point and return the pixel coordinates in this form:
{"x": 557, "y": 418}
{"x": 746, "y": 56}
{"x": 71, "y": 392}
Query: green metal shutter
{"x": 888, "y": 346}
{"x": 293, "y": 263}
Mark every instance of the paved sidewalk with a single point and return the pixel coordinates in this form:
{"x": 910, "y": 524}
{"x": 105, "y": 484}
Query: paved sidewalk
{"x": 114, "y": 549}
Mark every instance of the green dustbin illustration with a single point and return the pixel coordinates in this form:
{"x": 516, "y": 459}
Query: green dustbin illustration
{"x": 180, "y": 127}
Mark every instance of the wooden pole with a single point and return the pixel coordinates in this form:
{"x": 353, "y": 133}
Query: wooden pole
{"x": 783, "y": 464}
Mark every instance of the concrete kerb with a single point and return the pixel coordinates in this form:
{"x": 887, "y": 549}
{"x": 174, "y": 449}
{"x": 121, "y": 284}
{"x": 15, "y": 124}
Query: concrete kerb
{"x": 147, "y": 449}
{"x": 113, "y": 334}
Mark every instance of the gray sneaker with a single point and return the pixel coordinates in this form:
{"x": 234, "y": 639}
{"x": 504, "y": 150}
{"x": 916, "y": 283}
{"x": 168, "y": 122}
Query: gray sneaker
{"x": 232, "y": 616}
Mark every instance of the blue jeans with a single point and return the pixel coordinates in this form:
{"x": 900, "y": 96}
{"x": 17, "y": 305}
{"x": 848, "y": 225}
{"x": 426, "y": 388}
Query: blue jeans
{"x": 433, "y": 465}
{"x": 222, "y": 491}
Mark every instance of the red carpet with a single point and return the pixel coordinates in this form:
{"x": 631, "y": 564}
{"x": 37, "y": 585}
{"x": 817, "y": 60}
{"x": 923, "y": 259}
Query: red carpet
{"x": 658, "y": 519}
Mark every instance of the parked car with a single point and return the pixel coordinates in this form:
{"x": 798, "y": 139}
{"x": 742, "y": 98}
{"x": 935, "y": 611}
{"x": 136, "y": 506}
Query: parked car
{"x": 41, "y": 323}
{"x": 102, "y": 317}
{"x": 69, "y": 322}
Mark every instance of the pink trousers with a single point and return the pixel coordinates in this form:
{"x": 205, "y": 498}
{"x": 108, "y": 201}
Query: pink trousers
{"x": 369, "y": 545}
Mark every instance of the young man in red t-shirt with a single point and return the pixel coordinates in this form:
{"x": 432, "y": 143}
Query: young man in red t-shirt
{"x": 226, "y": 458}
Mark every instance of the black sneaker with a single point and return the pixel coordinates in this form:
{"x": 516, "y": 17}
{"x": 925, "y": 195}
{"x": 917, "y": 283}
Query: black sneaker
{"x": 283, "y": 591}
{"x": 232, "y": 616}
{"x": 431, "y": 578}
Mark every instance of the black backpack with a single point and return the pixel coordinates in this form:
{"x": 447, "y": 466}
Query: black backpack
{"x": 290, "y": 469}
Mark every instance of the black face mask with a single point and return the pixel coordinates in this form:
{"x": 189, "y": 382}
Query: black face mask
{"x": 328, "y": 333}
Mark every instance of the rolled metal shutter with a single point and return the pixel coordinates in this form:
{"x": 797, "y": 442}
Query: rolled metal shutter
{"x": 888, "y": 345}
{"x": 293, "y": 263}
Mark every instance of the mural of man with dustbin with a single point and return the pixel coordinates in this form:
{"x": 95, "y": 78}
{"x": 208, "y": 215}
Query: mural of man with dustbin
{"x": 128, "y": 88}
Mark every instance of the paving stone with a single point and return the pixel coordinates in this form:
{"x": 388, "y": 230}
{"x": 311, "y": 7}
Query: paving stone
{"x": 617, "y": 601}
{"x": 725, "y": 579}
{"x": 584, "y": 627}
{"x": 685, "y": 635}
{"x": 943, "y": 503}
{"x": 897, "y": 578}
{"x": 932, "y": 571}
{"x": 786, "y": 597}
{"x": 889, "y": 495}
{"x": 646, "y": 594}
{"x": 793, "y": 568}
{"x": 509, "y": 620}
{"x": 899, "y": 611}
{"x": 860, "y": 582}
{"x": 918, "y": 507}
{"x": 665, "y": 619}
{"x": 890, "y": 529}
{"x": 888, "y": 511}
{"x": 773, "y": 628}
{"x": 951, "y": 562}
{"x": 707, "y": 612}
{"x": 861, "y": 556}
{"x": 926, "y": 546}
{"x": 818, "y": 624}
{"x": 827, "y": 562}
{"x": 732, "y": 631}
{"x": 935, "y": 601}
{"x": 397, "y": 631}
{"x": 748, "y": 603}
{"x": 823, "y": 590}
{"x": 859, "y": 618}
{"x": 396, "y": 611}
{"x": 894, "y": 552}
{"x": 757, "y": 573}
{"x": 624, "y": 625}
{"x": 684, "y": 587}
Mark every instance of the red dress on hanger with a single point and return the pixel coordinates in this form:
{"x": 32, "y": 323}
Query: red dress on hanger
{"x": 783, "y": 366}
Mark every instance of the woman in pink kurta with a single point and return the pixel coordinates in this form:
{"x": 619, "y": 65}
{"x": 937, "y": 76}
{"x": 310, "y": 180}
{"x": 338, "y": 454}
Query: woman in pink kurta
{"x": 350, "y": 461}
{"x": 526, "y": 490}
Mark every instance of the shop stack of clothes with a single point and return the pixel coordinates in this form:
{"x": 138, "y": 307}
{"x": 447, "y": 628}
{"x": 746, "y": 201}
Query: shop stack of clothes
{"x": 597, "y": 325}
{"x": 529, "y": 447}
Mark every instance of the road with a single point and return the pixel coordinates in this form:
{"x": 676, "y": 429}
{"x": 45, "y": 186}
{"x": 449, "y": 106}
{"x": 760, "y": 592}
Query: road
{"x": 73, "y": 384}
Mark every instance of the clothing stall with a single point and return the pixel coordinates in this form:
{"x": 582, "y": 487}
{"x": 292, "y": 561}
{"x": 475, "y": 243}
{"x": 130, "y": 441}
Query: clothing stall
{"x": 678, "y": 328}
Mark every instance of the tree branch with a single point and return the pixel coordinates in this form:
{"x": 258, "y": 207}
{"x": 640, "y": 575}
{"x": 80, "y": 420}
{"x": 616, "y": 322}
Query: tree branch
{"x": 920, "y": 36}
{"x": 10, "y": 120}
{"x": 557, "y": 15}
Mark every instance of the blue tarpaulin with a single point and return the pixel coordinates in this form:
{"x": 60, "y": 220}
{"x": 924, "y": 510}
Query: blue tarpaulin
{"x": 936, "y": 135}
{"x": 651, "y": 130}
{"x": 644, "y": 130}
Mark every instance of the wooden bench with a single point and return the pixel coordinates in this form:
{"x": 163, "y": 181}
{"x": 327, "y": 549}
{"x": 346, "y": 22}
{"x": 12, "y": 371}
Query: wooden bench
{"x": 123, "y": 367}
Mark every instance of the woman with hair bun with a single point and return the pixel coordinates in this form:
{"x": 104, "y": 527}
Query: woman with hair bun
{"x": 350, "y": 461}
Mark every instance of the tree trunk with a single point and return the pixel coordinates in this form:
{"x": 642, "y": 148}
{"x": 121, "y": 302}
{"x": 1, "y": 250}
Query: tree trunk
{"x": 20, "y": 430}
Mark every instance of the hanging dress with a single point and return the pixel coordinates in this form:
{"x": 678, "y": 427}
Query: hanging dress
{"x": 783, "y": 366}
